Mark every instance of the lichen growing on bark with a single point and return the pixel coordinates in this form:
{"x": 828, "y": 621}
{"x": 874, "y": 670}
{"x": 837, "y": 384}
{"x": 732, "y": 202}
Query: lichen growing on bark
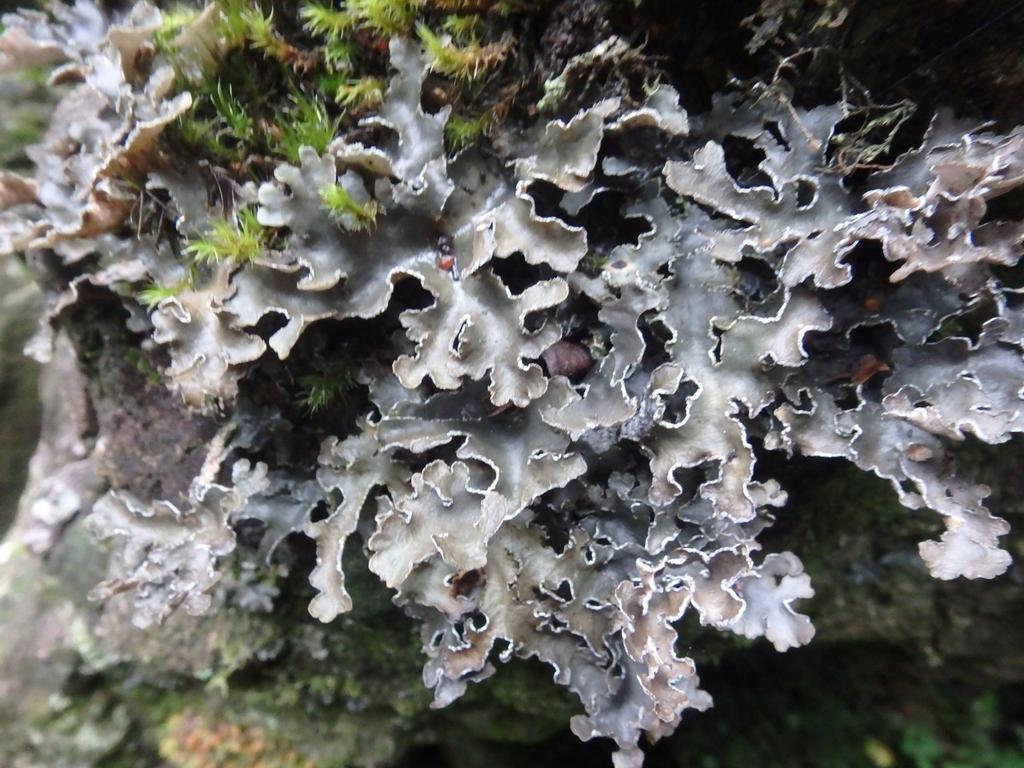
{"x": 564, "y": 350}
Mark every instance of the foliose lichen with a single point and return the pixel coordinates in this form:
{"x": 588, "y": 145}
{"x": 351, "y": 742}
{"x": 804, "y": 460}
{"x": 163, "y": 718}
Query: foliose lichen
{"x": 555, "y": 443}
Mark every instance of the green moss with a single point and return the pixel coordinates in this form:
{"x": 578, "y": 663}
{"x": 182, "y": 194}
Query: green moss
{"x": 461, "y": 131}
{"x": 307, "y": 123}
{"x": 461, "y": 63}
{"x": 153, "y": 293}
{"x": 340, "y": 203}
{"x": 384, "y": 17}
{"x": 174, "y": 20}
{"x": 361, "y": 94}
{"x": 296, "y": 75}
{"x": 326, "y": 386}
{"x": 326, "y": 21}
{"x": 239, "y": 239}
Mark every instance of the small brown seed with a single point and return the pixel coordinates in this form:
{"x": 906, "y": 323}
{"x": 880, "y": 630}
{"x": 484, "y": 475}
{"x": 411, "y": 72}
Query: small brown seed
{"x": 566, "y": 358}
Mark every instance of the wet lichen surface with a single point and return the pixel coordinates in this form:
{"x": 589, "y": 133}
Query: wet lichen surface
{"x": 427, "y": 377}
